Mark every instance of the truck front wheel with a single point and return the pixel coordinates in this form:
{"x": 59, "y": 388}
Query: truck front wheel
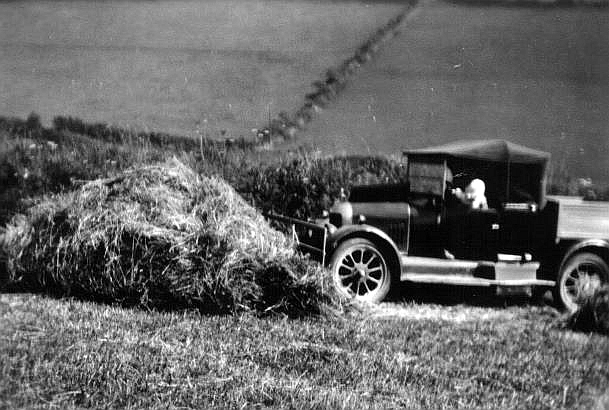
{"x": 580, "y": 276}
{"x": 360, "y": 271}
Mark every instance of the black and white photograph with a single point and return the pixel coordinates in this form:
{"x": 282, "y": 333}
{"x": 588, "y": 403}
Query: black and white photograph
{"x": 304, "y": 204}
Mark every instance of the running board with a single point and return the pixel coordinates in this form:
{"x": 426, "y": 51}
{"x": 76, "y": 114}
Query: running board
{"x": 438, "y": 266}
{"x": 471, "y": 281}
{"x": 470, "y": 273}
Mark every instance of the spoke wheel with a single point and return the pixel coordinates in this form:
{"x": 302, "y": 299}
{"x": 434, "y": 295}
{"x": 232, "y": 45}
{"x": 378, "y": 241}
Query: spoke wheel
{"x": 360, "y": 271}
{"x": 583, "y": 274}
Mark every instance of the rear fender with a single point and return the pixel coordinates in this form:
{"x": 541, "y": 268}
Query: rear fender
{"x": 373, "y": 234}
{"x": 599, "y": 247}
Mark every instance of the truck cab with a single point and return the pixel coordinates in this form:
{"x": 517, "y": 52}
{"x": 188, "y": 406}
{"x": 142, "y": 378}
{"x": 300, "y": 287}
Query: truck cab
{"x": 422, "y": 231}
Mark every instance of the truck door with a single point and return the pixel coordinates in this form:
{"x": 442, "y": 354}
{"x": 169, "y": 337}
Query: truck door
{"x": 472, "y": 234}
{"x": 425, "y": 235}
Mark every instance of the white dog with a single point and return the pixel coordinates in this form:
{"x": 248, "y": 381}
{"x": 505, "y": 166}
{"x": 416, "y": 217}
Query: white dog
{"x": 474, "y": 195}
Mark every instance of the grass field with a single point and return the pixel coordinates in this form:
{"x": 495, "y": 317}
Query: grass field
{"x": 538, "y": 76}
{"x": 168, "y": 65}
{"x": 69, "y": 354}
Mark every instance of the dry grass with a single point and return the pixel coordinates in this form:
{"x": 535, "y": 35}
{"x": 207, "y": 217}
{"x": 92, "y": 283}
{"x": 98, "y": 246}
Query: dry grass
{"x": 161, "y": 236}
{"x": 70, "y": 354}
{"x": 593, "y": 314}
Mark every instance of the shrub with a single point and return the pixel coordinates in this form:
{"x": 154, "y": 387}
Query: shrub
{"x": 49, "y": 161}
{"x": 303, "y": 185}
{"x": 164, "y": 237}
{"x": 296, "y": 184}
{"x": 33, "y": 123}
{"x": 593, "y": 314}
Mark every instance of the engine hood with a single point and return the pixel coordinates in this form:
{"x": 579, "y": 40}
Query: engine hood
{"x": 350, "y": 211}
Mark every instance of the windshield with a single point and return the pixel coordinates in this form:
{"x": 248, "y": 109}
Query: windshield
{"x": 427, "y": 177}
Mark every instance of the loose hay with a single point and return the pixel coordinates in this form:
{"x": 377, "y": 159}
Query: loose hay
{"x": 163, "y": 237}
{"x": 593, "y": 314}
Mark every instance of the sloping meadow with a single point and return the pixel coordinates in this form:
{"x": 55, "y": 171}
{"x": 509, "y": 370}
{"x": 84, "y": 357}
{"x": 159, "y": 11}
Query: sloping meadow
{"x": 162, "y": 236}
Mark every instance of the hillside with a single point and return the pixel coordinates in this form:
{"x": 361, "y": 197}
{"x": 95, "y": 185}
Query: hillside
{"x": 170, "y": 65}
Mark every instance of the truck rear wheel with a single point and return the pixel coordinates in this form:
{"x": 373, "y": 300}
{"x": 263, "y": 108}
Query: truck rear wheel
{"x": 580, "y": 276}
{"x": 360, "y": 271}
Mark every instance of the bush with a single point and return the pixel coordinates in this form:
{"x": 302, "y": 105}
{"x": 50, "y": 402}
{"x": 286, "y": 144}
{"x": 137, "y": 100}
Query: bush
{"x": 49, "y": 161}
{"x": 302, "y": 186}
{"x": 593, "y": 315}
{"x": 162, "y": 237}
{"x": 295, "y": 184}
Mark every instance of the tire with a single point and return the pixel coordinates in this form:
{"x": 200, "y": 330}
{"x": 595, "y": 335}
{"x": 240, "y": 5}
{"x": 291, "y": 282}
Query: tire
{"x": 579, "y": 277}
{"x": 360, "y": 271}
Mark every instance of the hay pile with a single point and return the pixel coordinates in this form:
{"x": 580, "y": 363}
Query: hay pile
{"x": 163, "y": 237}
{"x": 593, "y": 314}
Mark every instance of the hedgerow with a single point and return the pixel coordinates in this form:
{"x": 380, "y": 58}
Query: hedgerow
{"x": 35, "y": 160}
{"x": 303, "y": 186}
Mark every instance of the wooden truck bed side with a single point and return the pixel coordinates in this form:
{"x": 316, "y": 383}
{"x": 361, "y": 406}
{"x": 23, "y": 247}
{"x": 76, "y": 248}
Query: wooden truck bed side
{"x": 579, "y": 219}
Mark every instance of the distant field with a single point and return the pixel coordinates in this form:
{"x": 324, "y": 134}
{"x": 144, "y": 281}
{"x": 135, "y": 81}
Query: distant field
{"x": 166, "y": 65}
{"x": 534, "y": 75}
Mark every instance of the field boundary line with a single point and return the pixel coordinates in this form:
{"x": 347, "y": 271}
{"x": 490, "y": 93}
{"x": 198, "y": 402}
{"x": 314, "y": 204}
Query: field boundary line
{"x": 285, "y": 126}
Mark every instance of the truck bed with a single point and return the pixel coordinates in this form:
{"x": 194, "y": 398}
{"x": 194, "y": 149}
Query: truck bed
{"x": 579, "y": 219}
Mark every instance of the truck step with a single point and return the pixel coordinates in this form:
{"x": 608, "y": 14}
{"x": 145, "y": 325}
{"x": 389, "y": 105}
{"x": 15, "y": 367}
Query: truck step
{"x": 438, "y": 266}
{"x": 470, "y": 273}
{"x": 462, "y": 280}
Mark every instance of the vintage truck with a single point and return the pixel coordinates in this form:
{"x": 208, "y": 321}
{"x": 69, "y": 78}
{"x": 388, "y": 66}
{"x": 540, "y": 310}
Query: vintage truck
{"x": 419, "y": 232}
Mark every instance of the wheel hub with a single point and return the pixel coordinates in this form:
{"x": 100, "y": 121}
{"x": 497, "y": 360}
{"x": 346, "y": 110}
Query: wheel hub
{"x": 361, "y": 271}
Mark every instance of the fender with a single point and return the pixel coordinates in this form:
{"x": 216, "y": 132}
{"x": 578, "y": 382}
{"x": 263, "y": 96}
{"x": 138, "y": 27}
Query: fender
{"x": 588, "y": 243}
{"x": 362, "y": 231}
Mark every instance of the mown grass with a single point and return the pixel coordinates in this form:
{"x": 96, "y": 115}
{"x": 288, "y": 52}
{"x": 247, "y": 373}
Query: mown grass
{"x": 70, "y": 354}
